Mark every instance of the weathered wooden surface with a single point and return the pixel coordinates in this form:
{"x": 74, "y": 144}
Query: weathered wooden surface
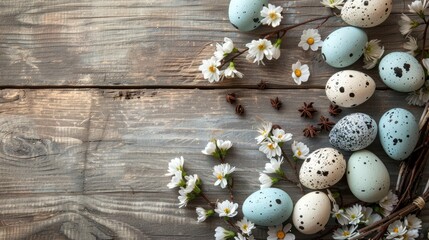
{"x": 81, "y": 161}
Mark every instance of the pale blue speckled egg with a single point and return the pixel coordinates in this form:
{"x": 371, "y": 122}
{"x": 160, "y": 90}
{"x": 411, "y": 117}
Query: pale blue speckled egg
{"x": 245, "y": 15}
{"x": 353, "y": 132}
{"x": 399, "y": 133}
{"x": 344, "y": 46}
{"x": 401, "y": 72}
{"x": 268, "y": 207}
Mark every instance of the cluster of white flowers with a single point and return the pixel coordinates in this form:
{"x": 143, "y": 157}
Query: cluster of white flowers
{"x": 271, "y": 140}
{"x": 421, "y": 96}
{"x": 333, "y": 3}
{"x": 372, "y": 54}
{"x": 245, "y": 233}
{"x": 357, "y": 215}
{"x": 217, "y": 148}
{"x": 406, "y": 229}
{"x": 280, "y": 232}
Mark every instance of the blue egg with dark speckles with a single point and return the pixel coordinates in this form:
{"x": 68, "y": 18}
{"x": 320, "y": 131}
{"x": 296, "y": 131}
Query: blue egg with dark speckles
{"x": 399, "y": 133}
{"x": 245, "y": 15}
{"x": 268, "y": 207}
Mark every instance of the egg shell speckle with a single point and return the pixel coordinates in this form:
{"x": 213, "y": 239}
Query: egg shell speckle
{"x": 349, "y": 88}
{"x": 245, "y": 15}
{"x": 401, "y": 72}
{"x": 311, "y": 213}
{"x": 367, "y": 177}
{"x": 344, "y": 46}
{"x": 366, "y": 13}
{"x": 268, "y": 207}
{"x": 353, "y": 132}
{"x": 322, "y": 168}
{"x": 398, "y": 131}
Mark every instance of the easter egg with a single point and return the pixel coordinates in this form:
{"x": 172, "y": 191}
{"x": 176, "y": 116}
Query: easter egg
{"x": 245, "y": 15}
{"x": 344, "y": 46}
{"x": 399, "y": 133}
{"x": 401, "y": 72}
{"x": 367, "y": 177}
{"x": 349, "y": 88}
{"x": 311, "y": 213}
{"x": 366, "y": 13}
{"x": 268, "y": 207}
{"x": 322, "y": 168}
{"x": 353, "y": 132}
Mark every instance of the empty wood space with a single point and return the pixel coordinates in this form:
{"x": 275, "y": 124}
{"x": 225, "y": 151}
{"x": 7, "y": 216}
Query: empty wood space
{"x": 97, "y": 97}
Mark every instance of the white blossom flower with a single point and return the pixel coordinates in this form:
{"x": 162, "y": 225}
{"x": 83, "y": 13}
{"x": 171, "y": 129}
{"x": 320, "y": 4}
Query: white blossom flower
{"x": 276, "y": 48}
{"x": 300, "y": 150}
{"x": 245, "y": 226}
{"x": 176, "y": 181}
{"x": 274, "y": 166}
{"x": 368, "y": 217}
{"x": 310, "y": 38}
{"x": 210, "y": 149}
{"x": 270, "y": 148}
{"x": 226, "y": 209}
{"x": 395, "y": 230}
{"x": 192, "y": 182}
{"x": 412, "y": 222}
{"x": 272, "y": 15}
{"x": 406, "y": 24}
{"x": 411, "y": 46}
{"x": 279, "y": 135}
{"x": 333, "y": 3}
{"x": 413, "y": 98}
{"x": 210, "y": 69}
{"x": 175, "y": 165}
{"x": 258, "y": 49}
{"x": 264, "y": 132}
{"x": 203, "y": 214}
{"x": 373, "y": 52}
{"x": 418, "y": 7}
{"x": 222, "y": 50}
{"x": 425, "y": 63}
{"x": 223, "y": 234}
{"x": 388, "y": 202}
{"x": 339, "y": 214}
{"x": 300, "y": 73}
{"x": 231, "y": 71}
{"x": 183, "y": 197}
{"x": 223, "y": 145}
{"x": 240, "y": 237}
{"x": 266, "y": 181}
{"x": 280, "y": 232}
{"x": 411, "y": 234}
{"x": 222, "y": 172}
{"x": 354, "y": 214}
{"x": 345, "y": 232}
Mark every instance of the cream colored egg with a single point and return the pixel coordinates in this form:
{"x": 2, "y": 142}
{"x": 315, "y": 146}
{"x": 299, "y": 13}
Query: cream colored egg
{"x": 366, "y": 13}
{"x": 311, "y": 213}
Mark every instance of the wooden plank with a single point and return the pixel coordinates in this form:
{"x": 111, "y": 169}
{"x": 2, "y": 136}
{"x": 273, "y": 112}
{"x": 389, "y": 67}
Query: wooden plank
{"x": 105, "y": 177}
{"x": 150, "y": 43}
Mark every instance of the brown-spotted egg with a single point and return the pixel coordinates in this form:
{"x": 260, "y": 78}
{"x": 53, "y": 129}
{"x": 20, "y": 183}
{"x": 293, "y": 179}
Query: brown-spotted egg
{"x": 366, "y": 13}
{"x": 349, "y": 88}
{"x": 322, "y": 168}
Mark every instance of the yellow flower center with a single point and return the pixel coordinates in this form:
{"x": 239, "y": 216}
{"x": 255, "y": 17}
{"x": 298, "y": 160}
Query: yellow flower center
{"x": 219, "y": 176}
{"x": 212, "y": 69}
{"x": 281, "y": 235}
{"x": 298, "y": 72}
{"x": 227, "y": 211}
{"x": 280, "y": 136}
{"x": 273, "y": 15}
{"x": 346, "y": 233}
{"x": 270, "y": 146}
{"x": 396, "y": 230}
{"x": 244, "y": 227}
{"x": 352, "y": 216}
{"x": 299, "y": 153}
{"x": 310, "y": 41}
{"x": 261, "y": 47}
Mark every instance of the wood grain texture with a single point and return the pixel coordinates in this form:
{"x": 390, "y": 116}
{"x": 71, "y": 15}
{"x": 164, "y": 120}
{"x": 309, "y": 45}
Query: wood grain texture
{"x": 90, "y": 164}
{"x": 151, "y": 43}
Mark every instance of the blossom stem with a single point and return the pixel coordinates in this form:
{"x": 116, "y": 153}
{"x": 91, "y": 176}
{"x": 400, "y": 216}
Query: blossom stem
{"x": 213, "y": 205}
{"x": 239, "y": 53}
{"x": 424, "y": 40}
{"x": 230, "y": 186}
{"x": 295, "y": 169}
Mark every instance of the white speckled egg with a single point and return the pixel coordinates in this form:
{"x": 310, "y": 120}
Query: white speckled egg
{"x": 344, "y": 46}
{"x": 353, "y": 132}
{"x": 366, "y": 13}
{"x": 349, "y": 88}
{"x": 367, "y": 177}
{"x": 268, "y": 207}
{"x": 245, "y": 15}
{"x": 311, "y": 212}
{"x": 322, "y": 168}
{"x": 401, "y": 72}
{"x": 399, "y": 133}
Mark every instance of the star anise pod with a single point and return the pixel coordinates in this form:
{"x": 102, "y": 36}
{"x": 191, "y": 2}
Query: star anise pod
{"x": 231, "y": 97}
{"x": 262, "y": 85}
{"x": 276, "y": 103}
{"x": 325, "y": 124}
{"x": 275, "y": 126}
{"x": 334, "y": 110}
{"x": 307, "y": 110}
{"x": 239, "y": 109}
{"x": 310, "y": 131}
